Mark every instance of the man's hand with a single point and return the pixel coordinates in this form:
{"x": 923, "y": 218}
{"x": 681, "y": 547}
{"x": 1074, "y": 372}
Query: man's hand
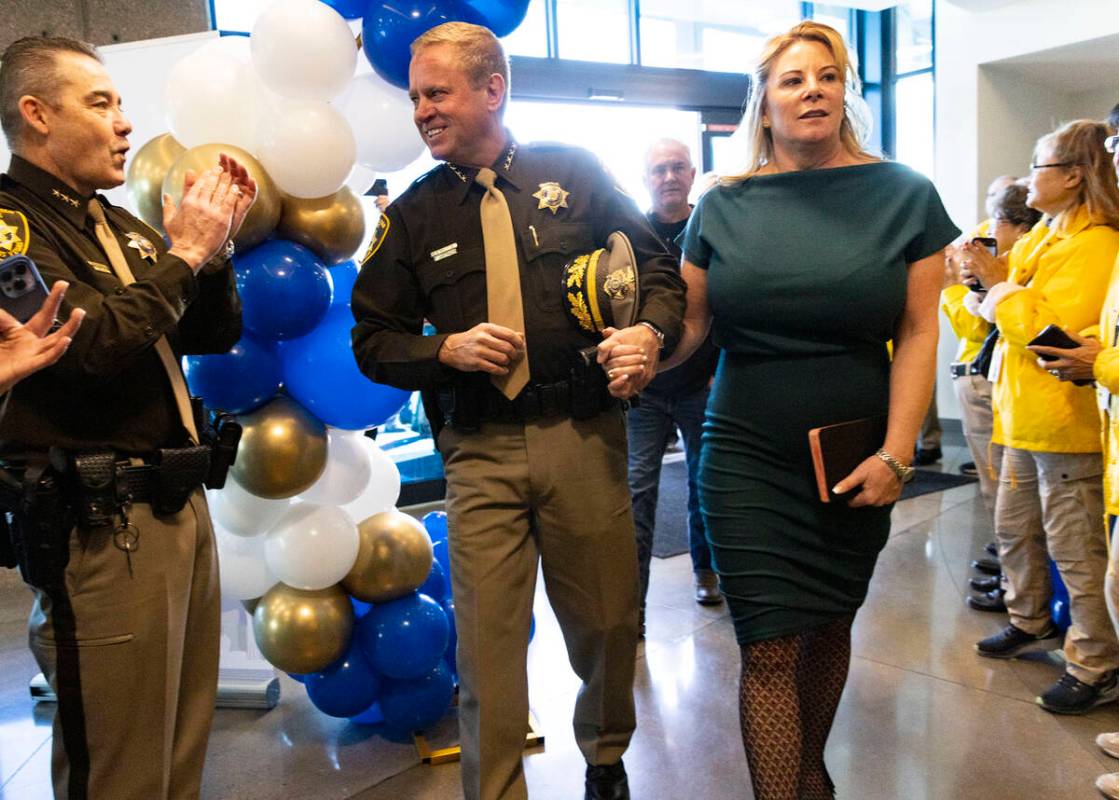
{"x": 484, "y": 348}
{"x": 1071, "y": 364}
{"x": 28, "y": 348}
{"x": 629, "y": 356}
{"x": 244, "y": 187}
{"x": 200, "y": 226}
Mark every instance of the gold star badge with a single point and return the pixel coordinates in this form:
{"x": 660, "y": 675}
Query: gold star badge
{"x": 146, "y": 248}
{"x": 552, "y": 196}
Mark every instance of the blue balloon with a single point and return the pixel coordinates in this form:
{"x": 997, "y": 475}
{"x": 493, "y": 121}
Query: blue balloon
{"x": 532, "y": 629}
{"x": 320, "y": 374}
{"x": 343, "y": 275}
{"x": 345, "y": 688}
{"x": 442, "y": 555}
{"x": 450, "y": 655}
{"x": 285, "y": 289}
{"x": 501, "y": 16}
{"x": 297, "y": 676}
{"x": 435, "y": 586}
{"x": 350, "y": 9}
{"x": 248, "y": 376}
{"x": 404, "y": 638}
{"x": 419, "y": 703}
{"x": 436, "y": 524}
{"x": 389, "y": 28}
{"x": 1060, "y": 610}
{"x": 361, "y": 608}
{"x": 370, "y": 716}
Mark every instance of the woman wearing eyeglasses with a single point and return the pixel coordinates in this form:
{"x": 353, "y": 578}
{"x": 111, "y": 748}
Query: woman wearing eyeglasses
{"x": 1050, "y": 495}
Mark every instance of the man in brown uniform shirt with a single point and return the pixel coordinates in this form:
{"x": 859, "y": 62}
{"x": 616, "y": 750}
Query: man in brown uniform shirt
{"x": 539, "y": 478}
{"x": 127, "y": 633}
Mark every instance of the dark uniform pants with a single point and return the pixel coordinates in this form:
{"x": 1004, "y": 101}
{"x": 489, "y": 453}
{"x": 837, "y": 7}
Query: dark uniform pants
{"x": 553, "y": 491}
{"x": 133, "y": 658}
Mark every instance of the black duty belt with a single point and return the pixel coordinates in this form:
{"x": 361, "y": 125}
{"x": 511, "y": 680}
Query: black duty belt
{"x": 536, "y": 401}
{"x": 961, "y": 369}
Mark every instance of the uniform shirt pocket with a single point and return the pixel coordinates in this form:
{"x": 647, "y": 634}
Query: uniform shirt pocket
{"x": 548, "y": 247}
{"x": 454, "y": 289}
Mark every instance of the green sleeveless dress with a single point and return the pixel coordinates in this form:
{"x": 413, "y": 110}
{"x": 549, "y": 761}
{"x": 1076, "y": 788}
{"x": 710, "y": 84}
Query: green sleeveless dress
{"x": 806, "y": 280}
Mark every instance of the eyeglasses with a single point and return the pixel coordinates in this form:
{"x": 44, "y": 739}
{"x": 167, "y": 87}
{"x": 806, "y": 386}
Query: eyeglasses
{"x": 1055, "y": 164}
{"x": 1111, "y": 143}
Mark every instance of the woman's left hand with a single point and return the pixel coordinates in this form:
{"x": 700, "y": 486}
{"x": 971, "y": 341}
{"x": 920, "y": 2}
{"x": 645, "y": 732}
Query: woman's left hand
{"x": 1071, "y": 364}
{"x": 880, "y": 486}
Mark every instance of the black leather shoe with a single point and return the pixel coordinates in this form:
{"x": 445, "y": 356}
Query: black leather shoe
{"x": 923, "y": 457}
{"x": 992, "y": 549}
{"x": 990, "y": 566}
{"x": 707, "y": 588}
{"x": 988, "y": 584}
{"x": 988, "y": 601}
{"x": 607, "y": 782}
{"x": 969, "y": 470}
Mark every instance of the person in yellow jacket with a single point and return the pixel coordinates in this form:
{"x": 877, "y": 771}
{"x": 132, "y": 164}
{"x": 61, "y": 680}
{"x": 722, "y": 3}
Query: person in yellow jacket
{"x": 1050, "y": 495}
{"x": 1009, "y": 219}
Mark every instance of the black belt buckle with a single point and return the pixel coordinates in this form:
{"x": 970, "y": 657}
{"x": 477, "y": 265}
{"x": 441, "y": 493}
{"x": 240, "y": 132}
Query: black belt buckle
{"x": 959, "y": 369}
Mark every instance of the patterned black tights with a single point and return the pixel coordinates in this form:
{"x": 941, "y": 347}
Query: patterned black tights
{"x": 790, "y": 690}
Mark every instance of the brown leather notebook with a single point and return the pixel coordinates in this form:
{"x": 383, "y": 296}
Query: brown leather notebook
{"x": 838, "y": 449}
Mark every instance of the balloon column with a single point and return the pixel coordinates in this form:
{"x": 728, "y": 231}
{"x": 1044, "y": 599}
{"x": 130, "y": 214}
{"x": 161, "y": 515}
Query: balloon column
{"x": 346, "y": 592}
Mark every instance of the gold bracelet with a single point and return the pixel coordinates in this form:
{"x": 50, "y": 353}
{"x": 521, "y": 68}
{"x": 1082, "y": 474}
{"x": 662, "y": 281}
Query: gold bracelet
{"x": 904, "y": 473}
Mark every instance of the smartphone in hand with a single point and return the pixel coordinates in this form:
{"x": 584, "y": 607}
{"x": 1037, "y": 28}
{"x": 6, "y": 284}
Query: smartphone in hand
{"x": 22, "y": 290}
{"x": 992, "y": 245}
{"x": 1054, "y": 336}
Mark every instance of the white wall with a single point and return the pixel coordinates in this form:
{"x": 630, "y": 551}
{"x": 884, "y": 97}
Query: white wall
{"x": 989, "y": 115}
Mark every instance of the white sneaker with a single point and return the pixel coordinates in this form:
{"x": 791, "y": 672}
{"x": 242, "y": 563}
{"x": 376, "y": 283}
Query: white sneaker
{"x": 1109, "y": 743}
{"x": 1108, "y": 785}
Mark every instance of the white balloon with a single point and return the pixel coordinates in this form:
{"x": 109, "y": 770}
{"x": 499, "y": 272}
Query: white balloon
{"x": 349, "y": 466}
{"x": 383, "y": 489}
{"x": 361, "y": 179}
{"x": 304, "y": 49}
{"x": 212, "y": 98}
{"x": 235, "y": 47}
{"x": 307, "y": 147}
{"x": 242, "y": 513}
{"x": 381, "y": 118}
{"x": 312, "y": 546}
{"x": 244, "y": 570}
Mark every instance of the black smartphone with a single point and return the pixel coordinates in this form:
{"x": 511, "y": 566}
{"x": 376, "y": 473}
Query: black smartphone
{"x": 380, "y": 188}
{"x": 992, "y": 245}
{"x": 22, "y": 290}
{"x": 1054, "y": 336}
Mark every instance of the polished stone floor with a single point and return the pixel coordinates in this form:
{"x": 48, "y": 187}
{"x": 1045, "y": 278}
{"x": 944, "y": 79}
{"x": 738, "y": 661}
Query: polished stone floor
{"x": 922, "y": 718}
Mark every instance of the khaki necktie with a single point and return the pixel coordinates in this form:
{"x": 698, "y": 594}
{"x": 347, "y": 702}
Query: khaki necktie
{"x": 119, "y": 263}
{"x": 503, "y": 277}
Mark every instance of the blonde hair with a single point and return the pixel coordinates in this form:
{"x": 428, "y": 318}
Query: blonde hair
{"x": 1080, "y": 143}
{"x": 759, "y": 139}
{"x": 479, "y": 52}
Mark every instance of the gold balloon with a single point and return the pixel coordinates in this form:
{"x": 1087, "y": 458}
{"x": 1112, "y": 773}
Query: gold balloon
{"x": 300, "y": 631}
{"x": 332, "y": 227}
{"x": 282, "y": 450}
{"x": 146, "y": 172}
{"x": 265, "y": 213}
{"x": 393, "y": 558}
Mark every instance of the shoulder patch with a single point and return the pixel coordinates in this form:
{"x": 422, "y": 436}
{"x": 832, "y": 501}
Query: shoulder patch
{"x": 15, "y": 235}
{"x": 380, "y": 233}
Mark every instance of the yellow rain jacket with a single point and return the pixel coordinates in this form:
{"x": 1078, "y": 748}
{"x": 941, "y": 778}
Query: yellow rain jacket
{"x": 1065, "y": 272}
{"x": 1106, "y": 370}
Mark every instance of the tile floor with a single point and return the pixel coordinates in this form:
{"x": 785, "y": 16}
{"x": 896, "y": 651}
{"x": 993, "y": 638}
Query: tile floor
{"x": 923, "y": 718}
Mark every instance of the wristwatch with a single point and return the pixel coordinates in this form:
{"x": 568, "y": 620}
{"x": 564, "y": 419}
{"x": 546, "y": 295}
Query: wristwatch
{"x": 904, "y": 473}
{"x": 656, "y": 332}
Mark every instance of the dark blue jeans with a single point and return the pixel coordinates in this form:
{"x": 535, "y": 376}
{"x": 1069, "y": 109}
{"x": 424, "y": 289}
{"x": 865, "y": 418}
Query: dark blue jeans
{"x": 650, "y": 427}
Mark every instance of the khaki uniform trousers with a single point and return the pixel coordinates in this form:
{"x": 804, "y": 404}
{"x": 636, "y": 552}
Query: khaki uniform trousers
{"x": 552, "y": 491}
{"x": 1051, "y": 504}
{"x": 133, "y": 658}
{"x": 973, "y": 393}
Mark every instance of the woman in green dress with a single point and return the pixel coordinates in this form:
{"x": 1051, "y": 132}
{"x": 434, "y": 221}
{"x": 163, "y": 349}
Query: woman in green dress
{"x": 806, "y": 265}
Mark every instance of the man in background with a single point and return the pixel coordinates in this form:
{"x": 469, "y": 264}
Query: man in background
{"x": 674, "y": 399}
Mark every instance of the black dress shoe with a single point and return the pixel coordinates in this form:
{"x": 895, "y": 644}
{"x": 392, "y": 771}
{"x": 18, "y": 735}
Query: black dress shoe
{"x": 607, "y": 782}
{"x": 923, "y": 457}
{"x": 988, "y": 601}
{"x": 988, "y": 584}
{"x": 990, "y": 566}
{"x": 969, "y": 470}
{"x": 992, "y": 549}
